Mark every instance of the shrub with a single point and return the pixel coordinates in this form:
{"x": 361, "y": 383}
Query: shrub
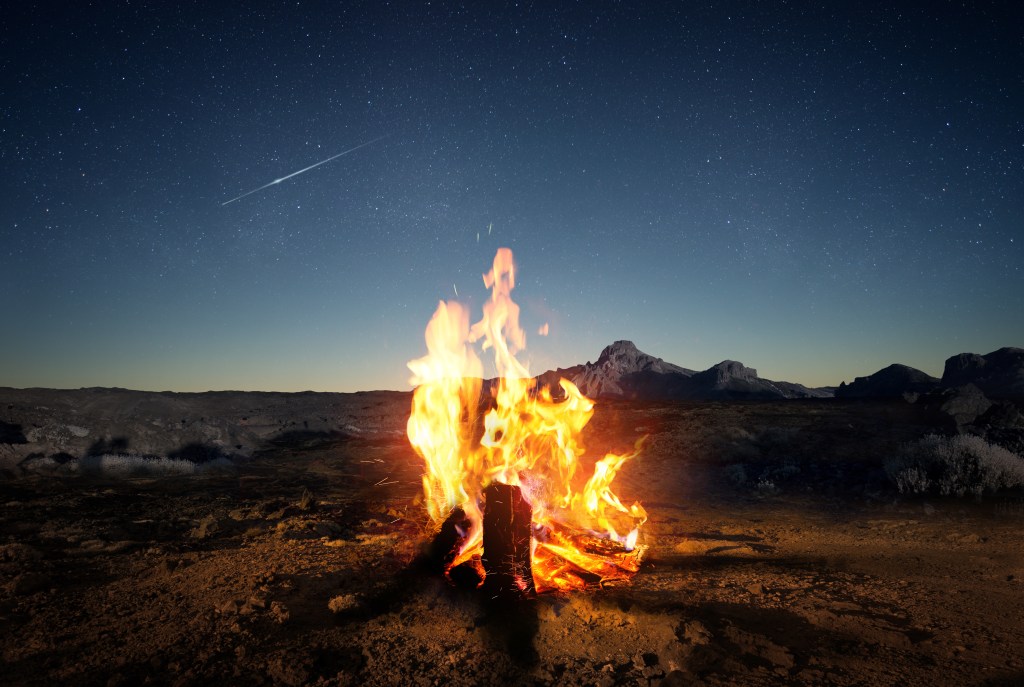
{"x": 126, "y": 465}
{"x": 954, "y": 466}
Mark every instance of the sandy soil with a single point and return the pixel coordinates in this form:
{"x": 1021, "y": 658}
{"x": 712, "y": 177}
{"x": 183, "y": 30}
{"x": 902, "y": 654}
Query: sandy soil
{"x": 776, "y": 557}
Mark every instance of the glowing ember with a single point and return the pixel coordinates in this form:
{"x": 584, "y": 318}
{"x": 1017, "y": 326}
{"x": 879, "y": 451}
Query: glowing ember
{"x": 581, "y": 531}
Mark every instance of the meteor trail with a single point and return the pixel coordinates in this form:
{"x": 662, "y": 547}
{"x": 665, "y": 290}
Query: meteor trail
{"x": 293, "y": 174}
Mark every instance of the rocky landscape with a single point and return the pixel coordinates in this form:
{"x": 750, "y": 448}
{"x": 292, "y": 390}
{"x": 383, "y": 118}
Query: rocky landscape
{"x": 624, "y": 371}
{"x": 179, "y": 539}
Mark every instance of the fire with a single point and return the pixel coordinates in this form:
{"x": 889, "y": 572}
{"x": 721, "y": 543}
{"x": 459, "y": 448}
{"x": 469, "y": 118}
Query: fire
{"x": 518, "y": 435}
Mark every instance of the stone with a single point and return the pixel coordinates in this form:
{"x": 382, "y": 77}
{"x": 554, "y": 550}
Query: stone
{"x": 279, "y": 612}
{"x": 344, "y": 603}
{"x": 965, "y": 404}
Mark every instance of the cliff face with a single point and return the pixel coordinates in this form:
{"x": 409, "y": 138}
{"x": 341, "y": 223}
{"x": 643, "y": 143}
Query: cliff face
{"x": 999, "y": 374}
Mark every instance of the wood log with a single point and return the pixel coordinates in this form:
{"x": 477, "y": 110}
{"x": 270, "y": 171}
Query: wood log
{"x": 506, "y": 557}
{"x": 446, "y": 544}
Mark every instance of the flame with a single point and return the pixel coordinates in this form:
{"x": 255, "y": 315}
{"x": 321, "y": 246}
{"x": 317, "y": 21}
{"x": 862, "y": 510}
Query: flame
{"x": 582, "y": 532}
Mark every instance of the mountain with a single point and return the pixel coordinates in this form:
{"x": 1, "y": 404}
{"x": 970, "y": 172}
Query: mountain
{"x": 624, "y": 371}
{"x": 889, "y": 382}
{"x": 999, "y": 374}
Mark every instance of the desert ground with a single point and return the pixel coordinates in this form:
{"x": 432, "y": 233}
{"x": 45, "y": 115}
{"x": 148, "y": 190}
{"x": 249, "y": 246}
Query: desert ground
{"x": 779, "y": 553}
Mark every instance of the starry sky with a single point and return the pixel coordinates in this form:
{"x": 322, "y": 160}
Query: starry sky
{"x": 815, "y": 190}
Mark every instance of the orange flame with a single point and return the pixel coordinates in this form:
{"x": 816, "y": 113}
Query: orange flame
{"x": 582, "y": 532}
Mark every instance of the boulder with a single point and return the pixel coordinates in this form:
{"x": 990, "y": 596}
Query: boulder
{"x": 964, "y": 404}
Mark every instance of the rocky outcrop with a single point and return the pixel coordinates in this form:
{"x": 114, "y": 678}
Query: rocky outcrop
{"x": 964, "y": 404}
{"x": 732, "y": 379}
{"x": 889, "y": 382}
{"x": 999, "y": 374}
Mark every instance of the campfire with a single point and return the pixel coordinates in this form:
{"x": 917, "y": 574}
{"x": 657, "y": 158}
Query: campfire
{"x": 504, "y": 472}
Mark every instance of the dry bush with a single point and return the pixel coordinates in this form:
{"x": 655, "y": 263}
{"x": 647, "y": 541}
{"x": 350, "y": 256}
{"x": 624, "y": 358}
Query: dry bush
{"x": 954, "y": 466}
{"x": 127, "y": 465}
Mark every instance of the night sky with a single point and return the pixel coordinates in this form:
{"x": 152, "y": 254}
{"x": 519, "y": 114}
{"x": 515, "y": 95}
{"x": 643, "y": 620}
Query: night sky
{"x": 815, "y": 191}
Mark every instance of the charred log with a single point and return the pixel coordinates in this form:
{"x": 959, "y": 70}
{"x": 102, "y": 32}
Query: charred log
{"x": 506, "y": 556}
{"x": 448, "y": 541}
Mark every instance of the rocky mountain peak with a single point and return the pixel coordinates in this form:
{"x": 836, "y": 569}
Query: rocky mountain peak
{"x": 624, "y": 357}
{"x": 619, "y": 350}
{"x": 618, "y": 360}
{"x": 731, "y": 369}
{"x": 624, "y": 371}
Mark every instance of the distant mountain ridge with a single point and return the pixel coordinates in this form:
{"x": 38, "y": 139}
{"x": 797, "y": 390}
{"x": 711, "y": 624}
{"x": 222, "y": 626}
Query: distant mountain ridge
{"x": 894, "y": 380}
{"x": 999, "y": 375}
{"x": 624, "y": 371}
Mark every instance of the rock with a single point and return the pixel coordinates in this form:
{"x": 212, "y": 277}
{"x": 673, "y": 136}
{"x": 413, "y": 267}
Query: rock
{"x": 166, "y": 566}
{"x": 206, "y": 528}
{"x": 344, "y": 603}
{"x": 279, "y": 612}
{"x": 229, "y": 607}
{"x": 1004, "y": 415}
{"x": 696, "y": 633}
{"x": 999, "y": 374}
{"x": 253, "y": 604}
{"x": 889, "y": 382}
{"x": 307, "y": 502}
{"x": 28, "y": 583}
{"x": 964, "y": 404}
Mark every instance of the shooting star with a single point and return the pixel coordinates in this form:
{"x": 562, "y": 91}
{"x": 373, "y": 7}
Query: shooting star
{"x": 295, "y": 174}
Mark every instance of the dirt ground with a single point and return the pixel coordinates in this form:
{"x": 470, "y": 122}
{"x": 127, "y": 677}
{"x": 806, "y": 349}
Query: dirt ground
{"x": 778, "y": 555}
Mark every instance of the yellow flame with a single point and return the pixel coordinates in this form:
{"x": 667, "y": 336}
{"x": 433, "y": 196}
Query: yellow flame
{"x": 582, "y": 533}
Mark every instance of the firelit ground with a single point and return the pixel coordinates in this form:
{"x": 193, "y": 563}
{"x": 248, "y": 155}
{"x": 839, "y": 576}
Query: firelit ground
{"x": 776, "y": 558}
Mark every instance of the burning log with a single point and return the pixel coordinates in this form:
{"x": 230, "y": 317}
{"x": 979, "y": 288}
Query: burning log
{"x": 445, "y": 549}
{"x": 506, "y": 554}
{"x": 560, "y": 533}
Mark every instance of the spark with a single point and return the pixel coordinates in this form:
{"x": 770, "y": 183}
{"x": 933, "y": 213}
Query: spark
{"x": 456, "y": 290}
{"x": 490, "y": 226}
{"x": 294, "y": 174}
